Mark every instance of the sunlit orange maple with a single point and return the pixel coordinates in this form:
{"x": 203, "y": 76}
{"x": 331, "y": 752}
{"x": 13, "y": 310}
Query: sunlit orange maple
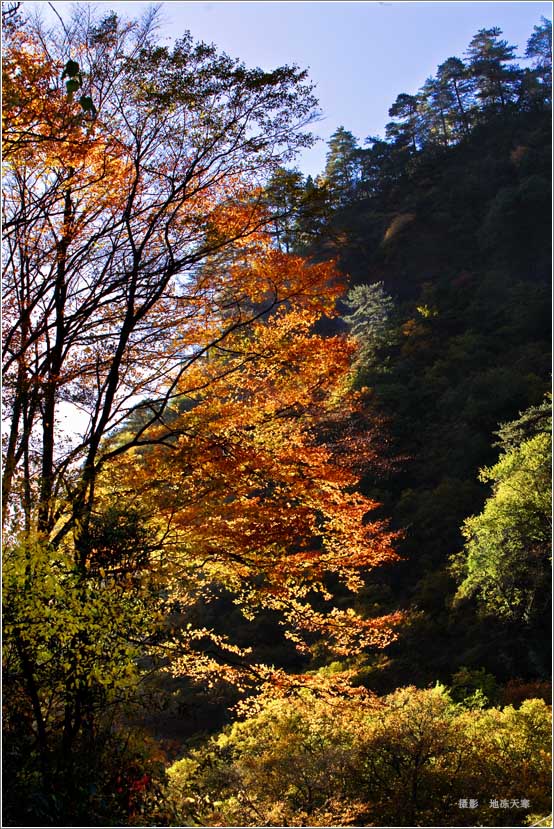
{"x": 142, "y": 291}
{"x": 251, "y": 493}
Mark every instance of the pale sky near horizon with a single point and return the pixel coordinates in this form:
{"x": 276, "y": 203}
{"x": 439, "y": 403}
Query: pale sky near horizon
{"x": 360, "y": 55}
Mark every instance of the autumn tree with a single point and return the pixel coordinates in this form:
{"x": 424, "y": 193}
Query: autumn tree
{"x": 332, "y": 755}
{"x": 253, "y": 476}
{"x": 247, "y": 483}
{"x": 127, "y": 166}
{"x": 107, "y": 216}
{"x": 142, "y": 292}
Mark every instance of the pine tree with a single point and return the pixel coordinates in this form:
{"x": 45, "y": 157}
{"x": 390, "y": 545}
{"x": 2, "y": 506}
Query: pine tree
{"x": 496, "y": 79}
{"x": 342, "y": 170}
{"x": 453, "y": 75}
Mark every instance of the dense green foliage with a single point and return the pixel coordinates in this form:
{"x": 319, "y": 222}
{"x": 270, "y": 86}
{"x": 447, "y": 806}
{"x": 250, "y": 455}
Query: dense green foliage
{"x": 72, "y": 655}
{"x": 507, "y": 555}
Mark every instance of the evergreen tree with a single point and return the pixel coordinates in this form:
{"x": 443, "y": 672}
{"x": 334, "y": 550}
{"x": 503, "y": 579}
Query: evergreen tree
{"x": 283, "y": 197}
{"x": 406, "y": 131}
{"x": 342, "y": 170}
{"x": 453, "y": 75}
{"x": 496, "y": 78}
{"x": 539, "y": 49}
{"x": 313, "y": 214}
{"x": 381, "y": 165}
{"x": 371, "y": 309}
{"x": 436, "y": 108}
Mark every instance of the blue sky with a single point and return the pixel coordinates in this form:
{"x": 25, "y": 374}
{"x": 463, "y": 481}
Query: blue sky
{"x": 361, "y": 55}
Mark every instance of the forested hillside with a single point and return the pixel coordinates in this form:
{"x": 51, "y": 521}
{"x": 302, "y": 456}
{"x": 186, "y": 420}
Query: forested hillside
{"x": 292, "y": 566}
{"x": 449, "y": 222}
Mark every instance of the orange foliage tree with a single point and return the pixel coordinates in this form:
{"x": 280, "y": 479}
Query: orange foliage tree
{"x": 216, "y": 445}
{"x": 111, "y": 202}
{"x": 244, "y": 480}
